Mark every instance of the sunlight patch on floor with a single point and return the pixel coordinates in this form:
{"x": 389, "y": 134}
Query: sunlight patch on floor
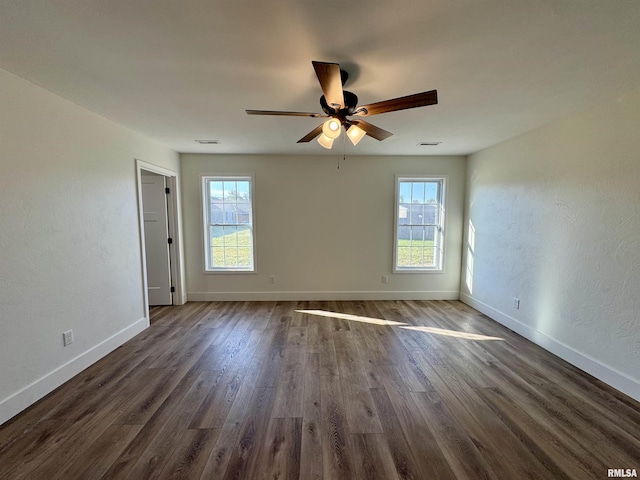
{"x": 452, "y": 333}
{"x": 355, "y": 318}
{"x": 391, "y": 323}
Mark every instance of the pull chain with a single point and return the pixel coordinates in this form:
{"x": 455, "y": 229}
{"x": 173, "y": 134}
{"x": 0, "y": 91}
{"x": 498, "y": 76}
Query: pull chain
{"x": 344, "y": 148}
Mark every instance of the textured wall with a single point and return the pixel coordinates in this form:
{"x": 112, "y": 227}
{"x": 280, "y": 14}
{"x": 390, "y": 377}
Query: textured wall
{"x": 69, "y": 240}
{"x": 557, "y": 223}
{"x": 341, "y": 242}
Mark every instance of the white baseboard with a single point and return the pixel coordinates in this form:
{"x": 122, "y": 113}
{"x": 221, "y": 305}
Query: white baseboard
{"x": 15, "y": 403}
{"x": 592, "y": 366}
{"x": 325, "y": 295}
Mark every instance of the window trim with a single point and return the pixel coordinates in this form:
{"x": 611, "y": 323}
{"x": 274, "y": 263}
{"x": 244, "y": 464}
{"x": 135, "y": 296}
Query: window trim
{"x": 442, "y": 202}
{"x": 206, "y": 250}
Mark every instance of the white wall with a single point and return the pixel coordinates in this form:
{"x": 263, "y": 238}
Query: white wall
{"x": 69, "y": 239}
{"x": 341, "y": 242}
{"x": 557, "y": 224}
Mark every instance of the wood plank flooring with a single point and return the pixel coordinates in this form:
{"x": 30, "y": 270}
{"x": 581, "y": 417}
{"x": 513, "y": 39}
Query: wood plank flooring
{"x": 325, "y": 390}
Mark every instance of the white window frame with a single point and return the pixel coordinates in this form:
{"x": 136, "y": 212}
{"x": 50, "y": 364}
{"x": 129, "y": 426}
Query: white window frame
{"x": 439, "y": 243}
{"x": 206, "y": 223}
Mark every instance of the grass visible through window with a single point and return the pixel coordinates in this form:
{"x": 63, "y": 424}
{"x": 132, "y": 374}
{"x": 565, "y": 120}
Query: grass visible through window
{"x": 415, "y": 253}
{"x": 232, "y": 249}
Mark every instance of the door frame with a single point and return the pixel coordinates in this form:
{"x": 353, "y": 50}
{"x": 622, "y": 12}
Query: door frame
{"x": 173, "y": 216}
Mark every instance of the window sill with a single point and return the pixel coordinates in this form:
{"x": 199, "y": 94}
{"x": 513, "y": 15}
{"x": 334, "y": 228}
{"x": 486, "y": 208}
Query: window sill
{"x": 230, "y": 272}
{"x": 418, "y": 270}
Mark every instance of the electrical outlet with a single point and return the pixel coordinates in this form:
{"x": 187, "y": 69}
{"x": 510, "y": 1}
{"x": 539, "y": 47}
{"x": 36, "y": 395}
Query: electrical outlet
{"x": 67, "y": 337}
{"x": 385, "y": 279}
{"x": 272, "y": 279}
{"x": 516, "y": 303}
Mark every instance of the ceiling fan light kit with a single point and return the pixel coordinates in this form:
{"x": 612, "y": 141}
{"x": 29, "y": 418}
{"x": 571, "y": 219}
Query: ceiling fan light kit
{"x": 325, "y": 141}
{"x": 355, "y": 134}
{"x": 331, "y": 128}
{"x": 338, "y": 104}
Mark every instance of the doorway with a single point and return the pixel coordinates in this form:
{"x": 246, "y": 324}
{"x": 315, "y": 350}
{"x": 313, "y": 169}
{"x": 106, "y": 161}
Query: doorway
{"x": 159, "y": 235}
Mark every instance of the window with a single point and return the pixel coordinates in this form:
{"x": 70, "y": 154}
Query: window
{"x": 419, "y": 224}
{"x": 228, "y": 224}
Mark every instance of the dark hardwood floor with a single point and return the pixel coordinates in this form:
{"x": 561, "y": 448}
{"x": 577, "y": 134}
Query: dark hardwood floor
{"x": 333, "y": 390}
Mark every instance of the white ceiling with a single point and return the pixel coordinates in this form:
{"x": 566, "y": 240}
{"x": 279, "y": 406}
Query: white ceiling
{"x": 180, "y": 70}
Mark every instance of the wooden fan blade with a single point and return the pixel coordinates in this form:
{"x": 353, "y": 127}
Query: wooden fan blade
{"x": 410, "y": 101}
{"x": 311, "y": 135}
{"x": 371, "y": 130}
{"x": 331, "y": 83}
{"x": 287, "y": 114}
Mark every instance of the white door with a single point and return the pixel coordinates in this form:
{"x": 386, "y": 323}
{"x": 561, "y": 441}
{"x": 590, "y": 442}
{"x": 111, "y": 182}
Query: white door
{"x": 156, "y": 238}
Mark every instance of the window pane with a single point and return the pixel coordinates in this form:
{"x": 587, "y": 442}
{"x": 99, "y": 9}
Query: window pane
{"x": 417, "y": 192}
{"x": 417, "y": 236}
{"x": 230, "y": 192}
{"x": 428, "y": 257}
{"x": 231, "y": 247}
{"x": 431, "y": 192}
{"x": 430, "y": 234}
{"x": 405, "y": 192}
{"x": 244, "y": 256}
{"x": 430, "y": 214}
{"x": 244, "y": 236}
{"x": 217, "y": 236}
{"x": 403, "y": 256}
{"x": 243, "y": 191}
{"x": 230, "y": 238}
{"x": 404, "y": 234}
{"x": 417, "y": 214}
{"x": 217, "y": 215}
{"x": 229, "y": 214}
{"x": 215, "y": 191}
{"x": 230, "y": 257}
{"x": 403, "y": 213}
{"x": 415, "y": 257}
{"x": 243, "y": 213}
{"x": 418, "y": 224}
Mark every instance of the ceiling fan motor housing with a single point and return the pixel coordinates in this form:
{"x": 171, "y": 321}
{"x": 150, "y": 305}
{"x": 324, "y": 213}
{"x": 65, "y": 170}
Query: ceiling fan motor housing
{"x": 350, "y": 103}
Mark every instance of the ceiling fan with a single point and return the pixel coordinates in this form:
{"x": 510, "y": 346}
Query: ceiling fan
{"x": 339, "y": 104}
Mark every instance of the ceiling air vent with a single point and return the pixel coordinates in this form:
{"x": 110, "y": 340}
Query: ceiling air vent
{"x": 209, "y": 142}
{"x": 428, "y": 144}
